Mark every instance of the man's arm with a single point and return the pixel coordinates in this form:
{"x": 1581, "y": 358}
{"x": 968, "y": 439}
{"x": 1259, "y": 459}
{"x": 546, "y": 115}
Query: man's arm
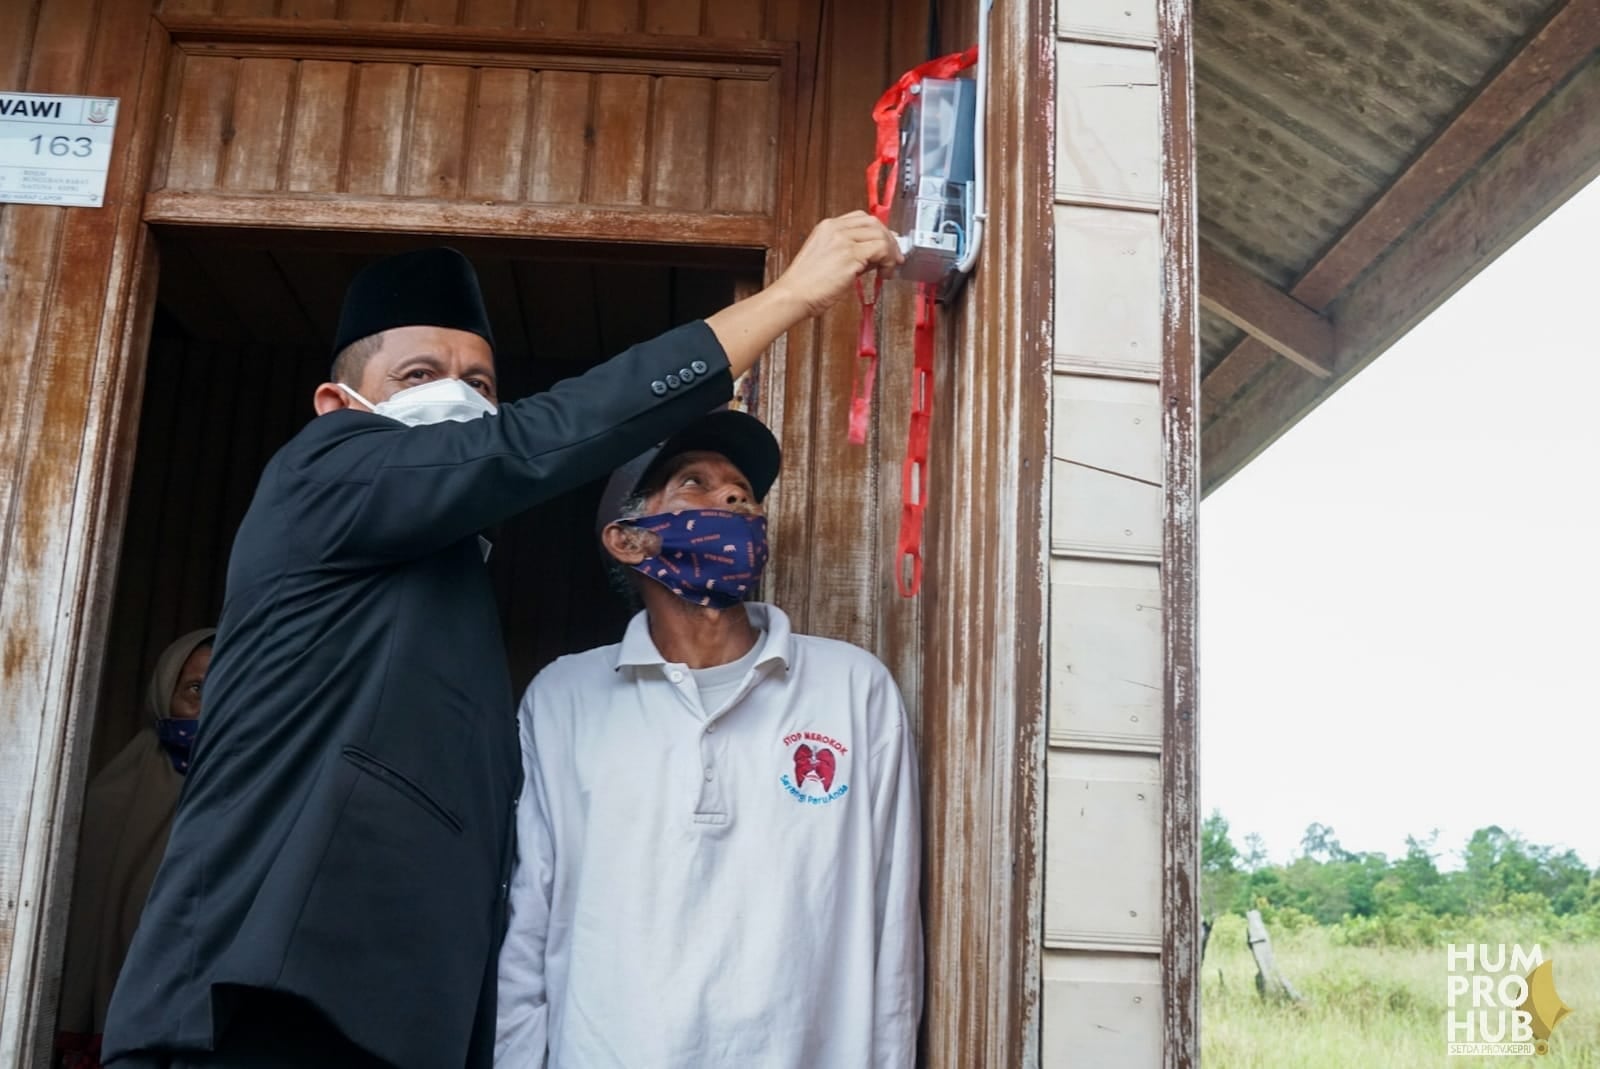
{"x": 383, "y": 492}
{"x": 522, "y": 1029}
{"x": 835, "y": 254}
{"x": 896, "y": 820}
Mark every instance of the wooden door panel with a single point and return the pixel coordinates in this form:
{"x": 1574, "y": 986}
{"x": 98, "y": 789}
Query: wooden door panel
{"x": 607, "y": 131}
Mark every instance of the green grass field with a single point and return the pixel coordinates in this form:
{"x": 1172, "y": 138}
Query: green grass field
{"x": 1368, "y": 1008}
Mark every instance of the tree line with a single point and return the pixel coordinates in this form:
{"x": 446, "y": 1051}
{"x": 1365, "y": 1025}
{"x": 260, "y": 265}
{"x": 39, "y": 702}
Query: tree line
{"x": 1500, "y": 873}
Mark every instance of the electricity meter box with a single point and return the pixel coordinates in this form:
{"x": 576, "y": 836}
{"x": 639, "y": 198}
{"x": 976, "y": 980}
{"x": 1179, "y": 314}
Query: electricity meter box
{"x": 932, "y": 207}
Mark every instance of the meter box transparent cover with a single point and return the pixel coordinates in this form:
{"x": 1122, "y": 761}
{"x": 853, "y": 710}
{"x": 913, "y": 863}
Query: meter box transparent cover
{"x": 932, "y": 209}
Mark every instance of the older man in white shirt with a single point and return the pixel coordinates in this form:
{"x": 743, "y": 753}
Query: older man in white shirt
{"x": 718, "y": 833}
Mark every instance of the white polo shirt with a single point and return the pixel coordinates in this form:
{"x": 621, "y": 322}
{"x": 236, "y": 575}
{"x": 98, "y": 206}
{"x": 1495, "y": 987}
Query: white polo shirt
{"x": 725, "y": 889}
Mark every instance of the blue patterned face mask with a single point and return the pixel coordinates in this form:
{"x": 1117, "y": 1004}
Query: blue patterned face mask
{"x": 708, "y": 557}
{"x": 177, "y": 738}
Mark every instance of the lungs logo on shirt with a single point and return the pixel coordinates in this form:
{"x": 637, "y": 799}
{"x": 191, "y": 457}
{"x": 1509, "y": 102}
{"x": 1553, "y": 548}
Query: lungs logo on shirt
{"x": 818, "y": 762}
{"x": 817, "y": 766}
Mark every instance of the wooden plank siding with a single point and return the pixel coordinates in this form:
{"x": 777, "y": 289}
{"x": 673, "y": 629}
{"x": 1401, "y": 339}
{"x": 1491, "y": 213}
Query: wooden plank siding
{"x": 1120, "y": 906}
{"x": 688, "y": 139}
{"x": 718, "y": 18}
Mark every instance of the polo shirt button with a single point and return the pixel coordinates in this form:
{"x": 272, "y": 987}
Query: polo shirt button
{"x": 710, "y": 728}
{"x": 674, "y": 381}
{"x": 686, "y": 374}
{"x": 658, "y": 388}
{"x": 708, "y": 775}
{"x": 699, "y": 367}
{"x": 676, "y": 677}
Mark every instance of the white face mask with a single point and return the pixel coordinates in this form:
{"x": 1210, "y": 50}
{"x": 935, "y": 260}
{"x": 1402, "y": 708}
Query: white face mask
{"x": 432, "y": 402}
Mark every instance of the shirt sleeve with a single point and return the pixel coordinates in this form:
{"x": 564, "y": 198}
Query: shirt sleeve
{"x": 897, "y": 996}
{"x": 381, "y": 491}
{"x": 522, "y": 1024}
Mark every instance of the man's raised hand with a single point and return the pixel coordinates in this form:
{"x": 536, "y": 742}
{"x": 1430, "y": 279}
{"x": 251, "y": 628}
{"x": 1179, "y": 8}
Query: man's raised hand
{"x": 838, "y": 252}
{"x": 835, "y": 254}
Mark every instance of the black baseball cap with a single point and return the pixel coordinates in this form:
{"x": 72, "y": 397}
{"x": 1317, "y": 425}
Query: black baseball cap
{"x": 739, "y": 436}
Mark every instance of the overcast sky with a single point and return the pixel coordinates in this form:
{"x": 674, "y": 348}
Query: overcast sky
{"x": 1399, "y": 598}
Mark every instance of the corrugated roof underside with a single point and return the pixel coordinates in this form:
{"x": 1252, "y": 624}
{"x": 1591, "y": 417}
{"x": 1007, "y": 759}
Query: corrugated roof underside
{"x": 1306, "y": 110}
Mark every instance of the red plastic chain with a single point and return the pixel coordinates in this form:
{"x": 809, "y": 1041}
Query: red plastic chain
{"x": 880, "y": 197}
{"x": 866, "y": 362}
{"x": 914, "y": 474}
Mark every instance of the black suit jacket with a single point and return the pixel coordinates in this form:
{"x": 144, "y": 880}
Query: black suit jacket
{"x": 345, "y": 833}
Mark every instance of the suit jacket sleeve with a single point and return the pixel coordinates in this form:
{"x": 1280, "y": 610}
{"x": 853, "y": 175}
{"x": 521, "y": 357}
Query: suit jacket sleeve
{"x": 381, "y": 491}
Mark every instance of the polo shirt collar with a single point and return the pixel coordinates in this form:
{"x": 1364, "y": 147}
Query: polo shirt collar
{"x": 638, "y": 649}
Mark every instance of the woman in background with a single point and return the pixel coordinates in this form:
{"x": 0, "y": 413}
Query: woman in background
{"x": 126, "y": 817}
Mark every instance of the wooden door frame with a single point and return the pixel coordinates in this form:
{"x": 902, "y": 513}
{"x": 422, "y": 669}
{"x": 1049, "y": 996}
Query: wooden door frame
{"x": 122, "y": 287}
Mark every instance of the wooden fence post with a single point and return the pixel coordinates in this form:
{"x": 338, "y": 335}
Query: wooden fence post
{"x": 1269, "y": 981}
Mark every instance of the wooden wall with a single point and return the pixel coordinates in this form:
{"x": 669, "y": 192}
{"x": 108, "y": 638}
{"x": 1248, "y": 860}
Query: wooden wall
{"x": 1119, "y": 954}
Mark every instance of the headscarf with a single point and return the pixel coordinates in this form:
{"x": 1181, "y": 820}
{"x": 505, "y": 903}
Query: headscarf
{"x": 127, "y": 815}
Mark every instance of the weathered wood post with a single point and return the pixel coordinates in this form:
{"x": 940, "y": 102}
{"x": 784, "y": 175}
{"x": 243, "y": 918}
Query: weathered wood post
{"x": 1269, "y": 981}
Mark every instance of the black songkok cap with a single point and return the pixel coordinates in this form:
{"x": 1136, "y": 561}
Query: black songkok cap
{"x": 425, "y": 288}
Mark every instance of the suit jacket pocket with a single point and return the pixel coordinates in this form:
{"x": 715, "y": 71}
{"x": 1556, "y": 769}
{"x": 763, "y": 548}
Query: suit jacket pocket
{"x": 403, "y": 784}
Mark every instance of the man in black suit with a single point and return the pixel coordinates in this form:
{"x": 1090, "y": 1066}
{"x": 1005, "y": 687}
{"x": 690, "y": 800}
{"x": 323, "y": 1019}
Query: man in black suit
{"x": 334, "y": 890}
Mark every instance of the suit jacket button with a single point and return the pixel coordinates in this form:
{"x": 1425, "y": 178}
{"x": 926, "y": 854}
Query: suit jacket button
{"x": 686, "y": 375}
{"x": 658, "y": 388}
{"x": 699, "y": 367}
{"x": 674, "y": 381}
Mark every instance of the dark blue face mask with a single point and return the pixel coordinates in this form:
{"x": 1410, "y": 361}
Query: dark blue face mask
{"x": 708, "y": 557}
{"x": 177, "y": 738}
